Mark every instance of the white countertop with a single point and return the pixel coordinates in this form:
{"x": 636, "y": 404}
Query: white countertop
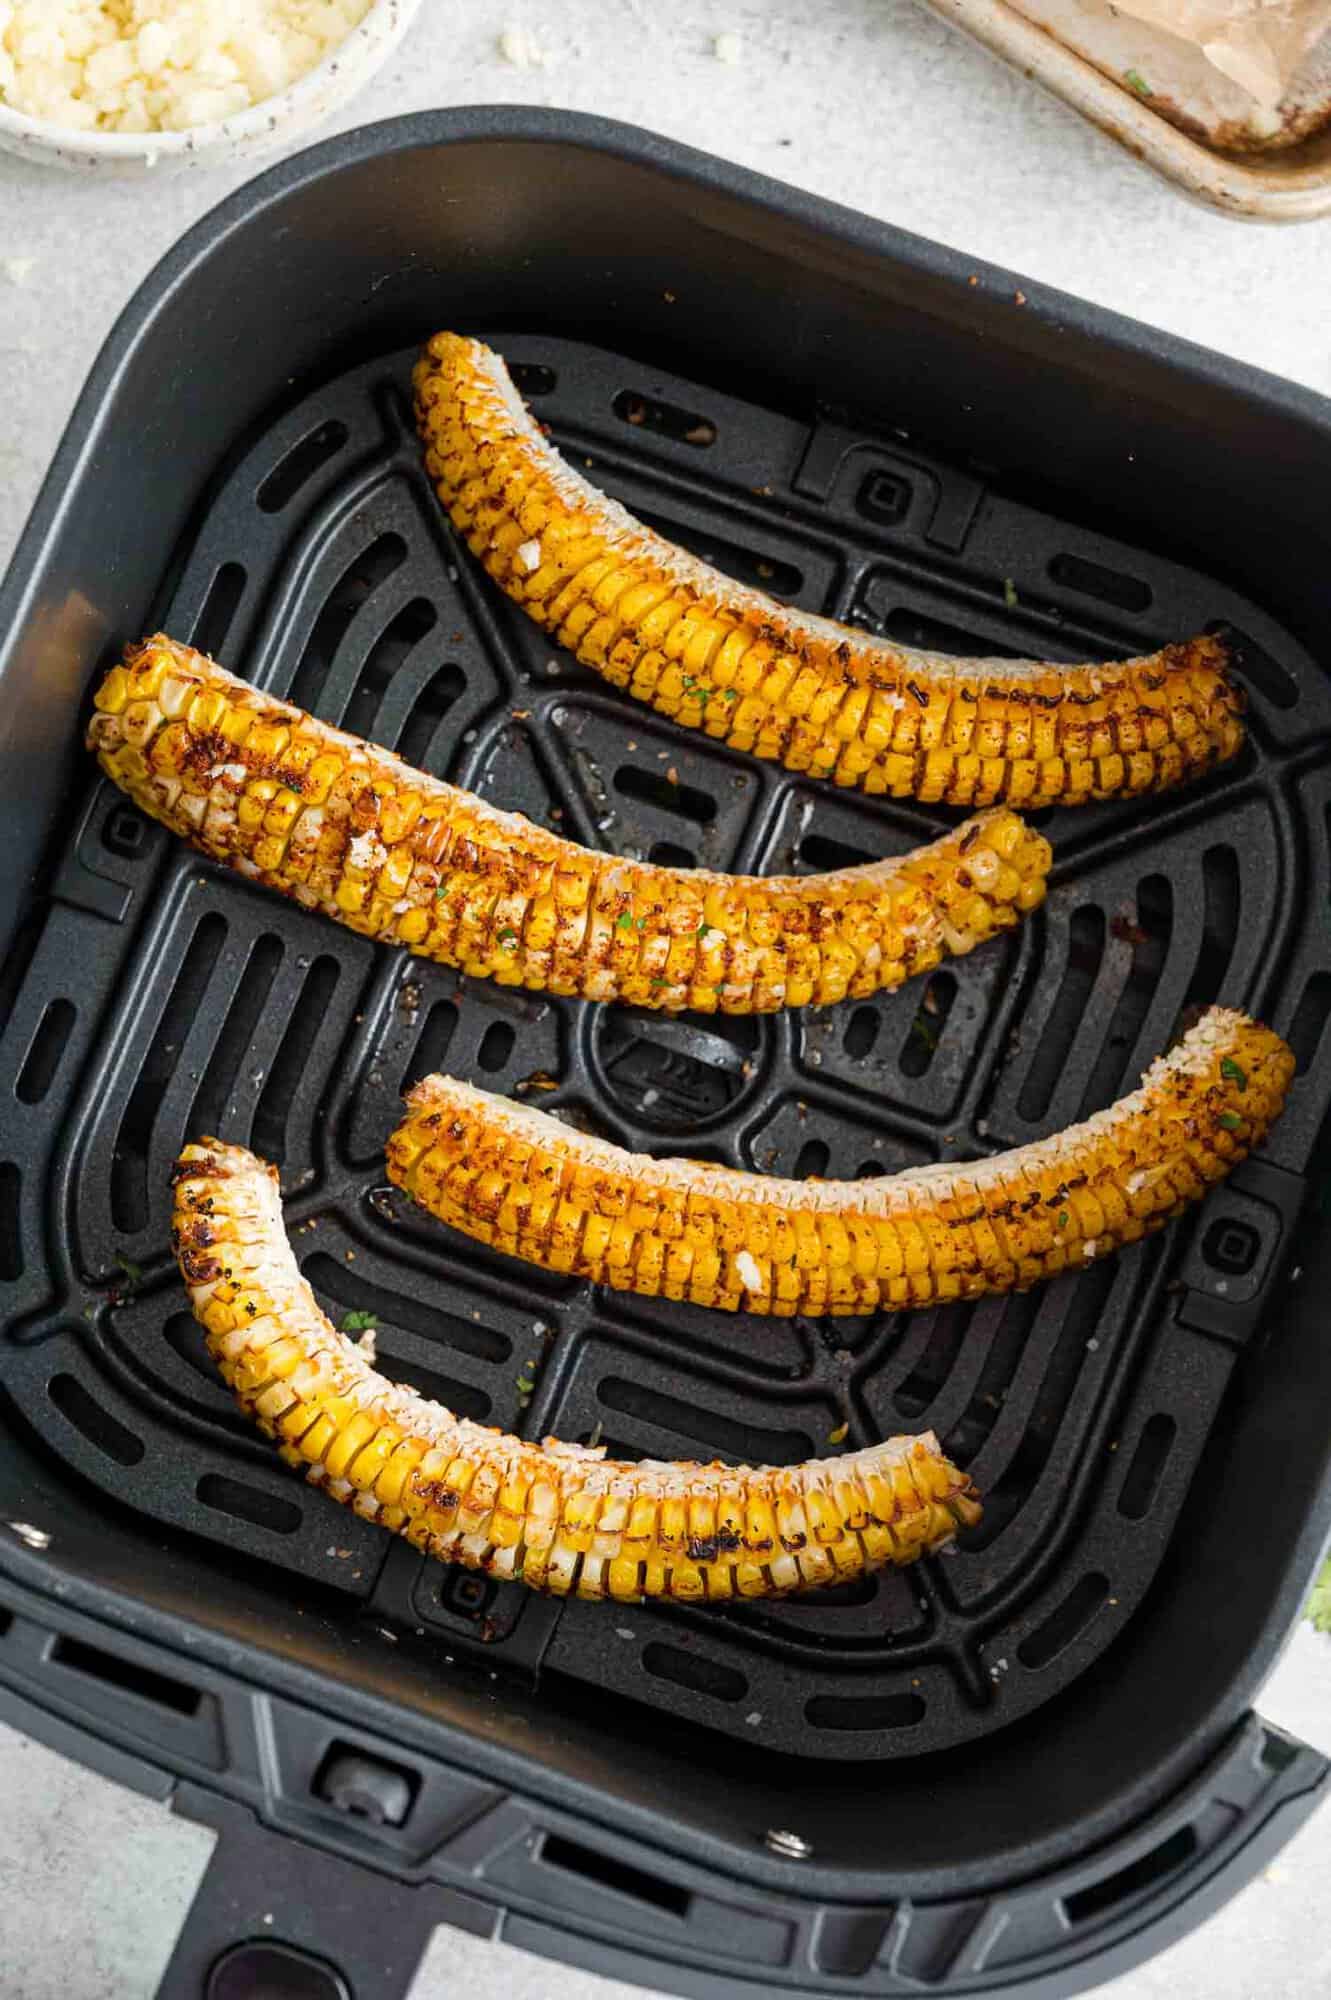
{"x": 876, "y": 104}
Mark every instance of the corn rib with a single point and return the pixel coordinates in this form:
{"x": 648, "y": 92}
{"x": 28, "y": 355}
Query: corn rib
{"x": 347, "y": 829}
{"x": 563, "y": 1518}
{"x": 519, "y": 1180}
{"x": 815, "y": 695}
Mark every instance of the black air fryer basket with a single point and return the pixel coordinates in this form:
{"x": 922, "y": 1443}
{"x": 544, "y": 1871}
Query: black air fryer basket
{"x": 1013, "y": 1770}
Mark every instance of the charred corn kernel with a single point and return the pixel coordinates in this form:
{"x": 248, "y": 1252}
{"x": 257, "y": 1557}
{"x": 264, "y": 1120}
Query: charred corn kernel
{"x": 311, "y": 811}
{"x": 764, "y": 1245}
{"x": 562, "y": 1517}
{"x": 774, "y": 680}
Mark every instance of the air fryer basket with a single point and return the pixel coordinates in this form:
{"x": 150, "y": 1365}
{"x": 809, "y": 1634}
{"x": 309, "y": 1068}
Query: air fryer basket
{"x": 828, "y": 408}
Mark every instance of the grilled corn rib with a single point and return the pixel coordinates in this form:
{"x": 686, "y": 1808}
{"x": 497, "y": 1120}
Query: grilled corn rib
{"x": 562, "y": 1517}
{"x": 347, "y": 829}
{"x": 519, "y": 1180}
{"x": 785, "y": 684}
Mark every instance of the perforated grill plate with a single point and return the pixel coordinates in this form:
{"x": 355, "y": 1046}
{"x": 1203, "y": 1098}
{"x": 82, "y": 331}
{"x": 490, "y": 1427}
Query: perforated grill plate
{"x": 157, "y": 997}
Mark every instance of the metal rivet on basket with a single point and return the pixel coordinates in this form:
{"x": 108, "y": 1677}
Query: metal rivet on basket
{"x": 36, "y": 1538}
{"x": 790, "y": 1846}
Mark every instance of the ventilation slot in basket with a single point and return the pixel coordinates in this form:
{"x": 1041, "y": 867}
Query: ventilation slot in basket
{"x": 43, "y": 1057}
{"x": 1086, "y": 950}
{"x": 129, "y": 1176}
{"x": 210, "y": 1111}
{"x": 1146, "y": 1873}
{"x": 744, "y": 1443}
{"x": 1107, "y": 586}
{"x": 412, "y": 624}
{"x": 854, "y": 1711}
{"x": 354, "y": 588}
{"x": 300, "y": 465}
{"x": 653, "y": 788}
{"x": 213, "y": 624}
{"x": 1147, "y": 1469}
{"x": 1308, "y": 1026}
{"x": 1042, "y": 1646}
{"x": 684, "y": 426}
{"x": 607, "y": 1873}
{"x": 249, "y": 1503}
{"x": 11, "y": 1237}
{"x": 292, "y": 1059}
{"x": 128, "y": 1676}
{"x": 93, "y": 1422}
{"x": 694, "y": 1671}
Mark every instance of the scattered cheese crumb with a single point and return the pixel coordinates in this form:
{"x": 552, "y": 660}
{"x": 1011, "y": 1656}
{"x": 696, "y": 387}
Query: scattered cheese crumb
{"x": 516, "y": 46}
{"x": 749, "y": 1274}
{"x": 18, "y": 269}
{"x": 160, "y": 65}
{"x": 369, "y": 1346}
{"x": 727, "y": 47}
{"x": 529, "y": 555}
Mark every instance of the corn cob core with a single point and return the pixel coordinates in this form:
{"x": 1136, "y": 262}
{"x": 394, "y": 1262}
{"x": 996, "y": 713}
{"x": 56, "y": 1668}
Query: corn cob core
{"x": 349, "y": 830}
{"x": 815, "y": 695}
{"x": 519, "y": 1180}
{"x": 562, "y": 1517}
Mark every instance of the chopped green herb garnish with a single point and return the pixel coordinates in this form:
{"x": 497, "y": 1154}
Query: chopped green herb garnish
{"x": 1232, "y": 1073}
{"x": 359, "y": 1322}
{"x": 508, "y": 940}
{"x": 839, "y": 1435}
{"x": 1010, "y": 597}
{"x": 1231, "y": 1121}
{"x": 1137, "y": 82}
{"x": 1063, "y": 1218}
{"x": 525, "y": 1385}
{"x": 133, "y": 1272}
{"x": 703, "y": 928}
{"x": 663, "y": 982}
{"x": 624, "y": 923}
{"x": 730, "y": 694}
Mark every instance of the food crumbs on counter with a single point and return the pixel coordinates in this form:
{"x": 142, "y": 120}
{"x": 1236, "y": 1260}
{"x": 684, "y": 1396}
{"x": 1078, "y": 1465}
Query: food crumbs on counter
{"x": 1010, "y": 597}
{"x": 516, "y": 46}
{"x": 1137, "y": 82}
{"x": 18, "y": 270}
{"x": 1019, "y": 298}
{"x": 728, "y": 47}
{"x": 838, "y": 1436}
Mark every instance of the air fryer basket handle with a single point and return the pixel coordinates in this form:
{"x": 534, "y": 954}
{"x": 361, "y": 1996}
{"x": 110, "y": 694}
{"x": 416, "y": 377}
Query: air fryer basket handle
{"x": 276, "y": 1918}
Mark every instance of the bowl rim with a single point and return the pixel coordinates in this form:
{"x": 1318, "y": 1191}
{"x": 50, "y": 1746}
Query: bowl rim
{"x": 377, "y": 29}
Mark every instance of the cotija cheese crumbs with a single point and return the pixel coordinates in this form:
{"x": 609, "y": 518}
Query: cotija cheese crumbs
{"x": 160, "y": 65}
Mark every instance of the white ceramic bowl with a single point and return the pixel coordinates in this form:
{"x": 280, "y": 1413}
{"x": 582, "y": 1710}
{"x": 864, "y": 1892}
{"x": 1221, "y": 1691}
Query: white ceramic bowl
{"x": 262, "y": 128}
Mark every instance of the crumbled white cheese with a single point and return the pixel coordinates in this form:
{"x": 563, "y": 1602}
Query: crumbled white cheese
{"x": 749, "y": 1274}
{"x": 160, "y": 65}
{"x": 363, "y": 850}
{"x": 18, "y": 269}
{"x": 516, "y": 46}
{"x": 727, "y": 47}
{"x": 369, "y": 1345}
{"x": 529, "y": 555}
{"x": 1089, "y": 1248}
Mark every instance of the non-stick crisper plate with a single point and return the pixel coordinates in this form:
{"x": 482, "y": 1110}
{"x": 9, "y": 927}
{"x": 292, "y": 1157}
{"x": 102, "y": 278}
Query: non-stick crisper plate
{"x": 322, "y": 568}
